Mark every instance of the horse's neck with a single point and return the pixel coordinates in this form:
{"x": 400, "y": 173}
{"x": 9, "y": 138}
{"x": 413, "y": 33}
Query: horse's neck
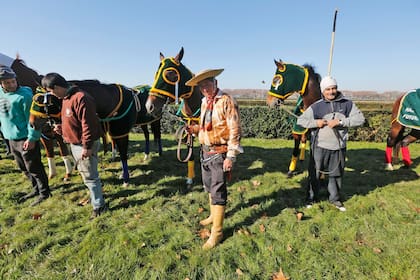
{"x": 312, "y": 93}
{"x": 26, "y": 76}
{"x": 396, "y": 107}
{"x": 192, "y": 105}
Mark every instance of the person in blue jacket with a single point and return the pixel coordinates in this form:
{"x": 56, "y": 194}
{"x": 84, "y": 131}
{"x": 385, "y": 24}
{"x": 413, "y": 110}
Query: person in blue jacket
{"x": 15, "y": 103}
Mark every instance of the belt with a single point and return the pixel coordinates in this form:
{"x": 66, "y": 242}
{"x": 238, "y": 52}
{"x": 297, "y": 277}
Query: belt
{"x": 215, "y": 149}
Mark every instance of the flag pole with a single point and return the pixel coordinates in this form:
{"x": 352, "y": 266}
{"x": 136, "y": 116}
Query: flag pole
{"x": 332, "y": 43}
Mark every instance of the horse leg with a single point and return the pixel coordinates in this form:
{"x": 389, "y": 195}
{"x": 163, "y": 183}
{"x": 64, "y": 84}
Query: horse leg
{"x": 295, "y": 154}
{"x": 404, "y": 149}
{"x": 147, "y": 141}
{"x": 65, "y": 155}
{"x": 122, "y": 145}
{"x": 157, "y": 136}
{"x": 191, "y": 166}
{"x": 302, "y": 147}
{"x": 48, "y": 144}
{"x": 392, "y": 145}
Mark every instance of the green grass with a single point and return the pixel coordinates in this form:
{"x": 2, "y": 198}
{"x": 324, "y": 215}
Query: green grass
{"x": 152, "y": 231}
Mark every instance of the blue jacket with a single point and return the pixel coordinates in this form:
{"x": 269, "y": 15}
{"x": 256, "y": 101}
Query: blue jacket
{"x": 339, "y": 108}
{"x": 14, "y": 115}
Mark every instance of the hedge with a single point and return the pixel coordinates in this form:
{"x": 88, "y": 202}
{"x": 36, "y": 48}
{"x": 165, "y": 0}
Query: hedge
{"x": 265, "y": 122}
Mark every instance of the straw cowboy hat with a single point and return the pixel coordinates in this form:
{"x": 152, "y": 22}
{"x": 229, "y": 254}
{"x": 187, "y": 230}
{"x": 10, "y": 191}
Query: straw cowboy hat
{"x": 203, "y": 75}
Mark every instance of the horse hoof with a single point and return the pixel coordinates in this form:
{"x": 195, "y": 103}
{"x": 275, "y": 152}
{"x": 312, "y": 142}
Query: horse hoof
{"x": 125, "y": 184}
{"x": 146, "y": 157}
{"x": 51, "y": 176}
{"x": 290, "y": 174}
{"x": 388, "y": 167}
{"x": 189, "y": 182}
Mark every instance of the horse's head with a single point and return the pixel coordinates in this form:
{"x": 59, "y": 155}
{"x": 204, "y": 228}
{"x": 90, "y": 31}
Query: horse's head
{"x": 45, "y": 107}
{"x": 169, "y": 84}
{"x": 288, "y": 79}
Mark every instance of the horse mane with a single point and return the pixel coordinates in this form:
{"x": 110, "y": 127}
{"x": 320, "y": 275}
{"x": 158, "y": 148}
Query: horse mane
{"x": 26, "y": 76}
{"x": 312, "y": 72}
{"x": 85, "y": 83}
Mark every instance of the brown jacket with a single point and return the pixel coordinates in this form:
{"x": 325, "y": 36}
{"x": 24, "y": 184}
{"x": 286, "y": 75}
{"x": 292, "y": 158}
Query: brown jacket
{"x": 225, "y": 122}
{"x": 80, "y": 124}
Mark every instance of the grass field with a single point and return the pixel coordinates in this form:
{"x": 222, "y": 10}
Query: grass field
{"x": 152, "y": 231}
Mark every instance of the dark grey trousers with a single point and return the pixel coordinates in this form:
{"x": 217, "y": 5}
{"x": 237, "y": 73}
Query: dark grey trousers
{"x": 29, "y": 162}
{"x": 214, "y": 178}
{"x": 330, "y": 163}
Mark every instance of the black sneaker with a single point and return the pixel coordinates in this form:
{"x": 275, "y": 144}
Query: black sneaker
{"x": 339, "y": 205}
{"x": 40, "y": 199}
{"x": 28, "y": 196}
{"x": 99, "y": 211}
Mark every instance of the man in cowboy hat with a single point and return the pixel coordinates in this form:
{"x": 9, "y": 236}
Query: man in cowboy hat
{"x": 219, "y": 133}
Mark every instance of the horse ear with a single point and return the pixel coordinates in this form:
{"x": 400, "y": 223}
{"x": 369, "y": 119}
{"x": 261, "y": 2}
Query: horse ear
{"x": 279, "y": 64}
{"x": 162, "y": 57}
{"x": 17, "y": 56}
{"x": 179, "y": 56}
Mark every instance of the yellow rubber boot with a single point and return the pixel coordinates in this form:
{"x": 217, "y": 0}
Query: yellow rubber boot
{"x": 209, "y": 219}
{"x": 218, "y": 213}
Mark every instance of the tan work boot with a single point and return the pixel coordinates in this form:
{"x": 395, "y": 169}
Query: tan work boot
{"x": 209, "y": 219}
{"x": 218, "y": 213}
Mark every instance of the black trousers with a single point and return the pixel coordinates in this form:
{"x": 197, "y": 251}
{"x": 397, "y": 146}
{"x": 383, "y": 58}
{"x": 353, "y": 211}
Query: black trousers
{"x": 214, "y": 178}
{"x": 29, "y": 162}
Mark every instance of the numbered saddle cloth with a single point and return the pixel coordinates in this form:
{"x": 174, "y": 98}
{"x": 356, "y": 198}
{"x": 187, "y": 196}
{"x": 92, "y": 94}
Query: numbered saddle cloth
{"x": 409, "y": 111}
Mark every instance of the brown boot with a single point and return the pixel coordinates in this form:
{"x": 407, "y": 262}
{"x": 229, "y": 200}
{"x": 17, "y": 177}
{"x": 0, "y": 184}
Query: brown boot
{"x": 209, "y": 219}
{"x": 218, "y": 213}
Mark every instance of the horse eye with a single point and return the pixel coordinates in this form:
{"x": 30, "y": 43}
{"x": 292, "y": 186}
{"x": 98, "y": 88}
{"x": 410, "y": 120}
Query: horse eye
{"x": 171, "y": 76}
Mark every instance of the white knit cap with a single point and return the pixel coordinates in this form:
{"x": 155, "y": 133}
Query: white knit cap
{"x": 327, "y": 82}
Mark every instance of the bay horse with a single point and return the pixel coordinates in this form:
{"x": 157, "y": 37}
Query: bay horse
{"x": 289, "y": 79}
{"x": 45, "y": 112}
{"x": 405, "y": 114}
{"x": 169, "y": 87}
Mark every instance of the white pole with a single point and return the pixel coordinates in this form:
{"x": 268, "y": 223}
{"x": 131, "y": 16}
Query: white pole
{"x": 332, "y": 43}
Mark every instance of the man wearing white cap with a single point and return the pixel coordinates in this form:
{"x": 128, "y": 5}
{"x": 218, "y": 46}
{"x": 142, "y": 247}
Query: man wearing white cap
{"x": 329, "y": 120}
{"x": 219, "y": 133}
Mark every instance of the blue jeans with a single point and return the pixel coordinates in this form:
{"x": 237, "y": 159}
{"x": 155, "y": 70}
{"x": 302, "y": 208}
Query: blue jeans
{"x": 88, "y": 168}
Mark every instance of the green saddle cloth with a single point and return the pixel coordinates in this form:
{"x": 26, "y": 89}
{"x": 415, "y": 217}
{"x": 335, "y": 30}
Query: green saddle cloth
{"x": 409, "y": 111}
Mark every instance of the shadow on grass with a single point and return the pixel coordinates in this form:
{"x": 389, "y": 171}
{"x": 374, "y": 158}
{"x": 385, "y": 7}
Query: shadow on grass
{"x": 364, "y": 173}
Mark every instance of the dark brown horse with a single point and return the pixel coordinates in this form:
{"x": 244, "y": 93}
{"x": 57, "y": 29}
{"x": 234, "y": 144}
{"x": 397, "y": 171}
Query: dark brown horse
{"x": 289, "y": 79}
{"x": 169, "y": 87}
{"x": 116, "y": 105}
{"x": 29, "y": 77}
{"x": 397, "y": 139}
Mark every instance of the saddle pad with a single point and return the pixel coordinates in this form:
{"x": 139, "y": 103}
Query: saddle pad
{"x": 409, "y": 111}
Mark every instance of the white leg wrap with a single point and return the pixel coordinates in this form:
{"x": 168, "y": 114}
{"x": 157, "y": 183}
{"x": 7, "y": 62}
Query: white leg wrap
{"x": 52, "y": 170}
{"x": 68, "y": 164}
